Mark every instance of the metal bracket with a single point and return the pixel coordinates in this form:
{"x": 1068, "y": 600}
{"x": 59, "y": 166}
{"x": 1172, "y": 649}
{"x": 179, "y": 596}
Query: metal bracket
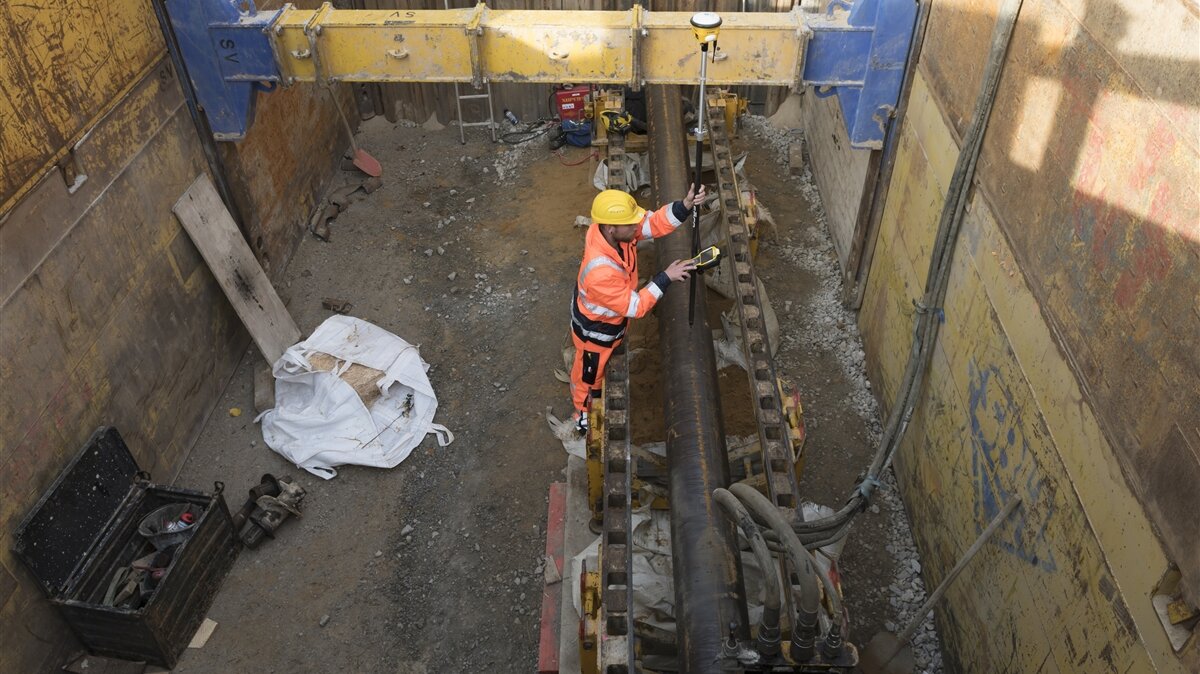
{"x": 474, "y": 33}
{"x": 312, "y": 30}
{"x": 223, "y": 59}
{"x": 862, "y": 56}
{"x": 637, "y": 33}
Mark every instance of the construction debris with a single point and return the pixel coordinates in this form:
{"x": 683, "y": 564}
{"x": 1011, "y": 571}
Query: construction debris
{"x": 203, "y": 634}
{"x": 338, "y": 202}
{"x": 338, "y": 306}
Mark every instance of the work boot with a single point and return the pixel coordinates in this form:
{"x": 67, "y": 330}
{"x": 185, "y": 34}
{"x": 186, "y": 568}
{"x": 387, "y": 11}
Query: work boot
{"x": 581, "y": 423}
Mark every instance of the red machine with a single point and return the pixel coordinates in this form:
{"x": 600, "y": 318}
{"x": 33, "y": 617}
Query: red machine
{"x": 571, "y": 102}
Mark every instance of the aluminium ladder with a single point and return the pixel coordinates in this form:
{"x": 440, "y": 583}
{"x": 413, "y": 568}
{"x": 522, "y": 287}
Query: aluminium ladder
{"x": 459, "y": 97}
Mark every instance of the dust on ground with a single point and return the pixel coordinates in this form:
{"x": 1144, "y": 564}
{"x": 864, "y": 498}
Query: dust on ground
{"x": 435, "y": 565}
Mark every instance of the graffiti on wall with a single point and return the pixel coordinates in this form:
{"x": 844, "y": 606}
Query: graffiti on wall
{"x": 1004, "y": 467}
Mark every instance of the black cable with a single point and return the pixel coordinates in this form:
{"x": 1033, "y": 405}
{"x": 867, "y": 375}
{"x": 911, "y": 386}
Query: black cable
{"x": 929, "y": 313}
{"x": 531, "y": 131}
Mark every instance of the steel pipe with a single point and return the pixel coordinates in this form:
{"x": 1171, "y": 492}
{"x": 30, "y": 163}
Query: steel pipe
{"x": 709, "y": 593}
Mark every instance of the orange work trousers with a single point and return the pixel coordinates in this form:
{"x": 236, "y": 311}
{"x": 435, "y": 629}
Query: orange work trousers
{"x": 587, "y": 374}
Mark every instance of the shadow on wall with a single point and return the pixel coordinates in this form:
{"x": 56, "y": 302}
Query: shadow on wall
{"x": 1089, "y": 164}
{"x": 1091, "y": 159}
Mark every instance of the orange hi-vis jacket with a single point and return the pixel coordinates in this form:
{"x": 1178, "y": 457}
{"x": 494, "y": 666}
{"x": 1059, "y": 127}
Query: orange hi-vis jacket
{"x": 606, "y": 292}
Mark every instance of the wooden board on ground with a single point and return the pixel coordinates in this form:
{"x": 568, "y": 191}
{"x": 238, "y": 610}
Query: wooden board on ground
{"x": 231, "y": 261}
{"x": 264, "y": 386}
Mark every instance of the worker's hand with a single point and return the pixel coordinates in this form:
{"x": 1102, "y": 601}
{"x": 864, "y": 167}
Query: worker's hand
{"x": 693, "y": 197}
{"x": 679, "y": 269}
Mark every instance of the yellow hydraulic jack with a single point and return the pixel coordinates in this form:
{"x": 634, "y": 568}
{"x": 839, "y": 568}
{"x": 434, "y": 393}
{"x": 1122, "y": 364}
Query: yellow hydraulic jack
{"x": 589, "y": 622}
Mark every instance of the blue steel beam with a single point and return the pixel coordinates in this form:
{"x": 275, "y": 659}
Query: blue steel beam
{"x": 222, "y": 48}
{"x": 854, "y": 51}
{"x": 863, "y": 62}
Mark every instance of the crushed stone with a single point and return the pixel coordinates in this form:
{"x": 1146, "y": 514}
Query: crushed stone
{"x": 822, "y": 323}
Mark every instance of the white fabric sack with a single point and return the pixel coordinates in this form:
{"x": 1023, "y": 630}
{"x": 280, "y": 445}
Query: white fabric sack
{"x": 637, "y": 174}
{"x": 319, "y": 422}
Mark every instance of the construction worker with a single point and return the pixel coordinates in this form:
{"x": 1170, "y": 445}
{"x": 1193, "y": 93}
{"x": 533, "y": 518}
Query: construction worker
{"x": 606, "y": 292}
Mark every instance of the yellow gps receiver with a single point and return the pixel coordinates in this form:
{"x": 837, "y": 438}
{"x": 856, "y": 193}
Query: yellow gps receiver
{"x": 705, "y": 26}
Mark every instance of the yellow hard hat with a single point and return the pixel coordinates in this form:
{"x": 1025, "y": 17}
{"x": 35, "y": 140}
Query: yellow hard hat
{"x": 614, "y": 207}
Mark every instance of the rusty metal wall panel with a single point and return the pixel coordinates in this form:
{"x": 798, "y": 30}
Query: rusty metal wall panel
{"x": 839, "y": 170}
{"x": 1065, "y": 586}
{"x": 279, "y": 172}
{"x": 62, "y": 65}
{"x": 119, "y": 324}
{"x": 107, "y": 311}
{"x": 48, "y": 211}
{"x": 1116, "y": 258}
{"x": 1092, "y": 158}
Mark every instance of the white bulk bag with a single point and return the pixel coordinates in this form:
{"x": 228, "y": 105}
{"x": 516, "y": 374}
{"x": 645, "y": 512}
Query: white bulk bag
{"x": 319, "y": 422}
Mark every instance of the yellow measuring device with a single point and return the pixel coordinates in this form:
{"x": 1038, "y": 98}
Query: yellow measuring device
{"x": 707, "y": 258}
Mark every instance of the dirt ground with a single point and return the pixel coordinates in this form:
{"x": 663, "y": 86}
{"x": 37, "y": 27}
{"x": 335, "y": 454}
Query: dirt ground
{"x": 435, "y": 566}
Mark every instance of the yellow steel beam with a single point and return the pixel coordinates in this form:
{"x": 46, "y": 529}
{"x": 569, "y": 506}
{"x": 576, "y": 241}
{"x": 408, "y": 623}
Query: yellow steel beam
{"x": 483, "y": 44}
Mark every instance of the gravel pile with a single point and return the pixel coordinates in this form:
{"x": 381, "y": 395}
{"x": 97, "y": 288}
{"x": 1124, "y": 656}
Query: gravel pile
{"x": 777, "y": 141}
{"x": 823, "y": 323}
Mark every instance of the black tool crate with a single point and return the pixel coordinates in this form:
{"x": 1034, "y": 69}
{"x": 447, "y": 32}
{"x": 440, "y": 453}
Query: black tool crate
{"x": 85, "y": 528}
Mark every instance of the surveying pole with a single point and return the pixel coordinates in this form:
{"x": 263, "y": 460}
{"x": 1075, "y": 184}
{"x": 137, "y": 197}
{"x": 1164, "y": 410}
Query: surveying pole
{"x": 705, "y": 26}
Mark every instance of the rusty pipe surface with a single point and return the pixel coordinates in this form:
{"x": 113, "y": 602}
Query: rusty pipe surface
{"x": 709, "y": 593}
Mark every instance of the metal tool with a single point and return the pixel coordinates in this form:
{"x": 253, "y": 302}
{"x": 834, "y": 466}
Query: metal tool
{"x": 362, "y": 159}
{"x": 888, "y": 654}
{"x": 271, "y": 502}
{"x": 705, "y": 26}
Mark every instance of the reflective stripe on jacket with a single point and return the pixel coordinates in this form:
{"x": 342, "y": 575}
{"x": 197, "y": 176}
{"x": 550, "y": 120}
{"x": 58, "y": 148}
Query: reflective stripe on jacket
{"x": 606, "y": 293}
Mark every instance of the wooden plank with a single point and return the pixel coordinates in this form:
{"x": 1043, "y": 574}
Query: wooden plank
{"x": 264, "y": 387}
{"x": 237, "y": 271}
